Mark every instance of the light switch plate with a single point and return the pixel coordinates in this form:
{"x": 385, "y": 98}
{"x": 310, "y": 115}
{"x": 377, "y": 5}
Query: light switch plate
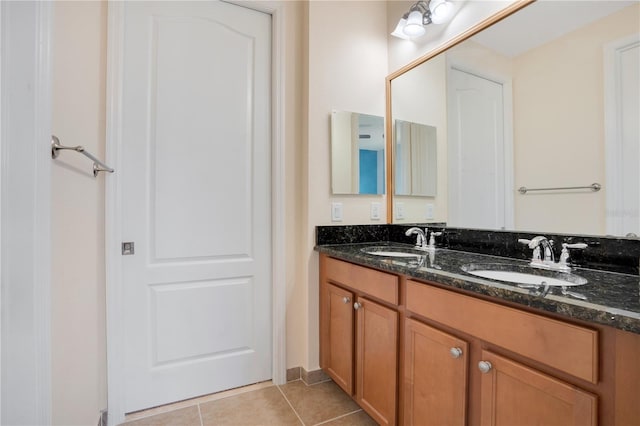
{"x": 429, "y": 211}
{"x": 336, "y": 212}
{"x": 375, "y": 211}
{"x": 399, "y": 210}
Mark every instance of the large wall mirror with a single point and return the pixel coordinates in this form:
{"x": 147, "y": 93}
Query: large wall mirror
{"x": 357, "y": 153}
{"x": 529, "y": 113}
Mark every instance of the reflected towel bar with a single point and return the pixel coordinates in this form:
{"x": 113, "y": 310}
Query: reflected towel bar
{"x": 595, "y": 187}
{"x": 98, "y": 166}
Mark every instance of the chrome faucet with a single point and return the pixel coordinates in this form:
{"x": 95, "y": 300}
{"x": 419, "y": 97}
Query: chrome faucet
{"x": 421, "y": 240}
{"x": 547, "y": 248}
{"x": 542, "y": 251}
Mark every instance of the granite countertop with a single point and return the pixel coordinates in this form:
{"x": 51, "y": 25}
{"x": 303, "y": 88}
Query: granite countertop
{"x": 612, "y": 299}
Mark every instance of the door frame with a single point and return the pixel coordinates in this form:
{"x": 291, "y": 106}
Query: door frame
{"x": 113, "y": 213}
{"x": 612, "y": 133}
{"x": 507, "y": 104}
{"x": 25, "y": 201}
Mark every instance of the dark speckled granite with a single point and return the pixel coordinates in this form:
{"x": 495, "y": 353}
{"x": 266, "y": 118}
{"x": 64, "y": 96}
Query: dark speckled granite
{"x": 603, "y": 253}
{"x": 613, "y": 299}
{"x": 346, "y": 234}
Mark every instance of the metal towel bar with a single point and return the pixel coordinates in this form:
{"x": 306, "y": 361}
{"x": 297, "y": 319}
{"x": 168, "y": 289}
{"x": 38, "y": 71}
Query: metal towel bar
{"x": 98, "y": 166}
{"x": 595, "y": 187}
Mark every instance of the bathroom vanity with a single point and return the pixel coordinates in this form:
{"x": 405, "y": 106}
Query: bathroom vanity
{"x": 417, "y": 340}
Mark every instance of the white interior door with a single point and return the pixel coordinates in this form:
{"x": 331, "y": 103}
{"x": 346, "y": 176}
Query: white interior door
{"x": 195, "y": 180}
{"x": 476, "y": 152}
{"x": 622, "y": 109}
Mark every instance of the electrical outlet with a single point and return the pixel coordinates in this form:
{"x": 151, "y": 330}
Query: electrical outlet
{"x": 336, "y": 212}
{"x": 375, "y": 211}
{"x": 399, "y": 210}
{"x": 429, "y": 211}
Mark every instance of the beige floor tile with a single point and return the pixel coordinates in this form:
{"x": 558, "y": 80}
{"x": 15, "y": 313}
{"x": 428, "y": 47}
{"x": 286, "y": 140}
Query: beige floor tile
{"x": 195, "y": 401}
{"x": 318, "y": 403}
{"x": 261, "y": 407}
{"x": 356, "y": 419}
{"x": 183, "y": 417}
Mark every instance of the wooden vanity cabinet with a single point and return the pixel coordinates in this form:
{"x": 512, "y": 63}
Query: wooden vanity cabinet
{"x": 435, "y": 376}
{"x": 462, "y": 359}
{"x": 509, "y": 392}
{"x": 359, "y": 335}
{"x": 337, "y": 335}
{"x": 376, "y": 360}
{"x": 512, "y": 393}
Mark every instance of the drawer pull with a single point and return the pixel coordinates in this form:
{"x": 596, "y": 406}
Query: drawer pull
{"x": 357, "y": 306}
{"x": 484, "y": 366}
{"x": 346, "y": 300}
{"x": 455, "y": 352}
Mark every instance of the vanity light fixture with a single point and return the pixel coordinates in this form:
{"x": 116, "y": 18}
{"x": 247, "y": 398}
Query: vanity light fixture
{"x": 412, "y": 24}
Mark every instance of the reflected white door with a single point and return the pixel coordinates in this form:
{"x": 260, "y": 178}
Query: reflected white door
{"x": 476, "y": 152}
{"x": 622, "y": 109}
{"x": 195, "y": 144}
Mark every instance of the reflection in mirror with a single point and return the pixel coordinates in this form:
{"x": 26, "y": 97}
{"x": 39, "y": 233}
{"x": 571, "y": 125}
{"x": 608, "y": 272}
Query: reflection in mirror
{"x": 357, "y": 153}
{"x": 556, "y": 110}
{"x": 415, "y": 158}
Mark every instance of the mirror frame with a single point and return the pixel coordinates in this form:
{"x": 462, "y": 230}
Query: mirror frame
{"x": 509, "y": 10}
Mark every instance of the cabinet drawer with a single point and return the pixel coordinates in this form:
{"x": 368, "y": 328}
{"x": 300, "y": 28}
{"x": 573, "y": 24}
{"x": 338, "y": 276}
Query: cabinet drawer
{"x": 567, "y": 347}
{"x": 374, "y": 283}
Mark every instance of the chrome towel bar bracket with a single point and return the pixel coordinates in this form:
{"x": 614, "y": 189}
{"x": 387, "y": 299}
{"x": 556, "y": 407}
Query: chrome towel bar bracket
{"x": 595, "y": 187}
{"x": 98, "y": 166}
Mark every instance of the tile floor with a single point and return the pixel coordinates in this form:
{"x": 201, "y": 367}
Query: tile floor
{"x": 295, "y": 403}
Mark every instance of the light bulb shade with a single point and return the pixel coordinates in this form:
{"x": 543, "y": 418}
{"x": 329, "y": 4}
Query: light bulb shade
{"x": 440, "y": 11}
{"x": 399, "y": 31}
{"x": 414, "y": 27}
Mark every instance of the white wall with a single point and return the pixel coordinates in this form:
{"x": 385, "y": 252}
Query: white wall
{"x": 25, "y": 154}
{"x": 561, "y": 143}
{"x": 420, "y": 96}
{"x": 347, "y": 66}
{"x": 78, "y": 282}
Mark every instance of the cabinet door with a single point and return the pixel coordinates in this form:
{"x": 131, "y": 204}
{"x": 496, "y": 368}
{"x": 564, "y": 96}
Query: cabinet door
{"x": 435, "y": 376}
{"x": 376, "y": 360}
{"x": 336, "y": 335}
{"x": 513, "y": 394}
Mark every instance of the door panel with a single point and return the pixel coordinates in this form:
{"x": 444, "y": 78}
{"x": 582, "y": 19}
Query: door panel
{"x": 512, "y": 393}
{"x": 435, "y": 383}
{"x": 337, "y": 335}
{"x": 195, "y": 199}
{"x": 177, "y": 337}
{"x": 377, "y": 360}
{"x": 184, "y": 160}
{"x": 476, "y": 144}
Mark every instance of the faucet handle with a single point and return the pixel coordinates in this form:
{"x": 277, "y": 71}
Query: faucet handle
{"x": 432, "y": 238}
{"x": 574, "y": 246}
{"x": 564, "y": 255}
{"x": 535, "y": 258}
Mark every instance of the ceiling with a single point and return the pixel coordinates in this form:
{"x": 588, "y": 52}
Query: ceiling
{"x": 544, "y": 21}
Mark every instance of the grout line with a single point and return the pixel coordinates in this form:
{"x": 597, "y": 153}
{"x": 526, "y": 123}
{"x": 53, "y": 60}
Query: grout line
{"x": 316, "y": 383}
{"x": 200, "y": 414}
{"x": 339, "y": 417}
{"x": 289, "y": 402}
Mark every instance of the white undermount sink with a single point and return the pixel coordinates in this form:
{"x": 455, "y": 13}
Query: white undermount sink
{"x": 388, "y": 251}
{"x": 521, "y": 275}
